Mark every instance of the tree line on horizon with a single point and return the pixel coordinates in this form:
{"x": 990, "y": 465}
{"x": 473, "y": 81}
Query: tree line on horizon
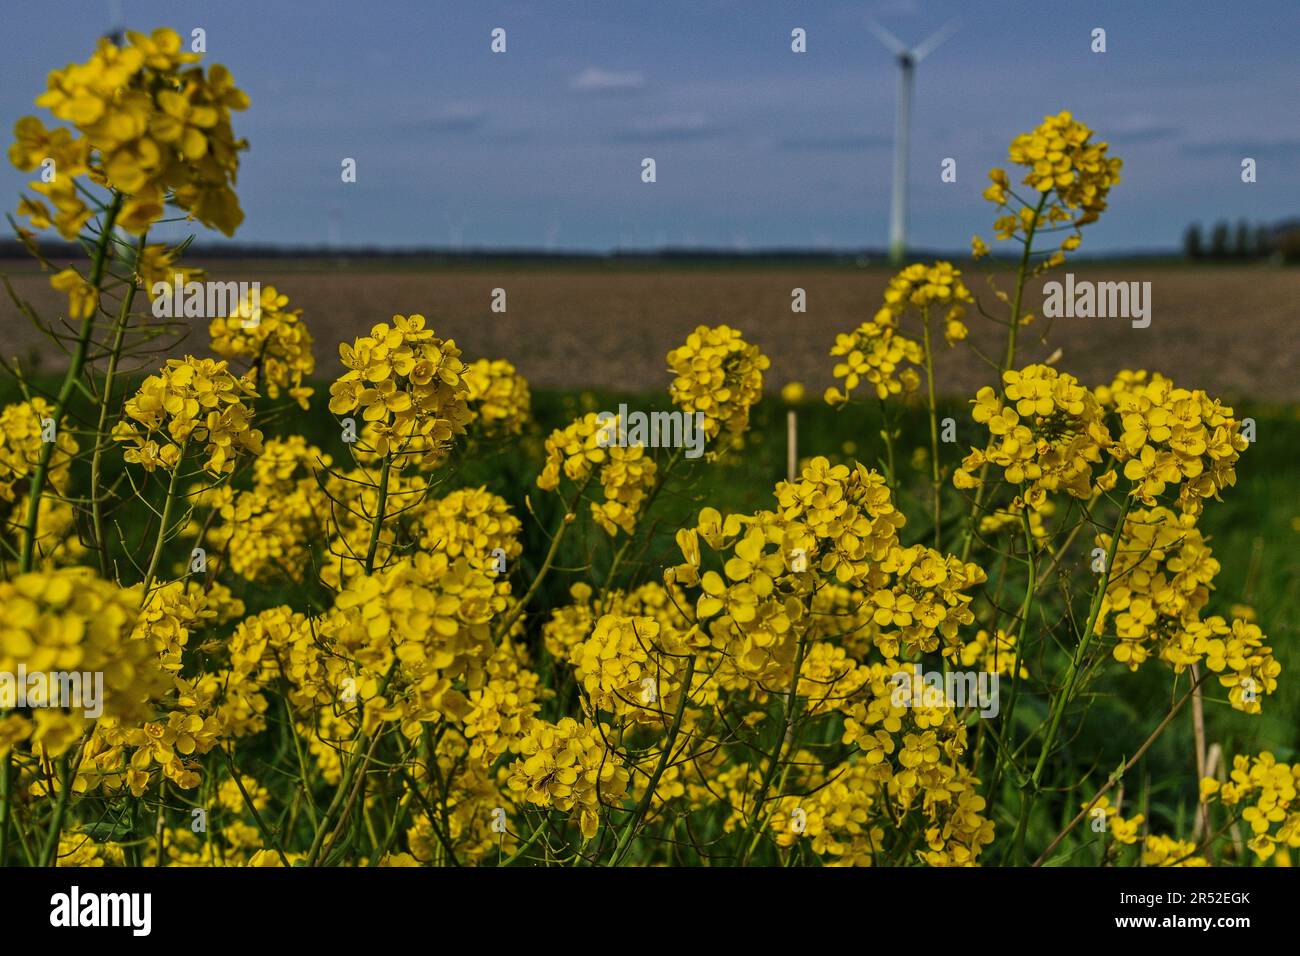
{"x": 1244, "y": 241}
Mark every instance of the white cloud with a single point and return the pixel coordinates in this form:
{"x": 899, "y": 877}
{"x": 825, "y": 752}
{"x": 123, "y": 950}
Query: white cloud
{"x": 595, "y": 80}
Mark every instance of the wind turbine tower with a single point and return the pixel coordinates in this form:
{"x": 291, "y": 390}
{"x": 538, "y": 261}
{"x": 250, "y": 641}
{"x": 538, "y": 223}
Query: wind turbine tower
{"x": 908, "y": 58}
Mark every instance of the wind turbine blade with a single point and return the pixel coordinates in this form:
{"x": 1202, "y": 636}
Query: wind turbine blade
{"x": 894, "y": 44}
{"x": 936, "y": 40}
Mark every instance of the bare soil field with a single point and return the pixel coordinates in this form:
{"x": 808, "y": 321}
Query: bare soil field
{"x": 1229, "y": 329}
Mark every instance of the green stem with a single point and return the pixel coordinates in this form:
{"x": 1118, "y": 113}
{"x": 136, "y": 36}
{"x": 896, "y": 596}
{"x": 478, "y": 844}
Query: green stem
{"x": 375, "y": 525}
{"x": 156, "y": 557}
{"x": 1022, "y": 275}
{"x": 160, "y": 826}
{"x": 887, "y": 434}
{"x": 778, "y": 752}
{"x": 6, "y": 797}
{"x": 68, "y": 772}
{"x": 537, "y": 832}
{"x": 625, "y": 843}
{"x": 1030, "y": 588}
{"x": 71, "y": 377}
{"x": 267, "y": 836}
{"x": 101, "y": 432}
{"x": 570, "y": 516}
{"x": 1118, "y": 775}
{"x": 662, "y": 479}
{"x": 1062, "y": 700}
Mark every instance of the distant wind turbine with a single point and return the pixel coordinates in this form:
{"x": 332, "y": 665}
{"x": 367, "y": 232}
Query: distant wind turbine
{"x": 907, "y": 62}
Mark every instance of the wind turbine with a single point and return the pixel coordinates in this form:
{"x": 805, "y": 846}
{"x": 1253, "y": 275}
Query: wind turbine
{"x": 907, "y": 62}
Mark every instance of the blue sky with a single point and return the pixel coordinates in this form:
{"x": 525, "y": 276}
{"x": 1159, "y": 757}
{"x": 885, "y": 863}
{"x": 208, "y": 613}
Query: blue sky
{"x": 755, "y": 146}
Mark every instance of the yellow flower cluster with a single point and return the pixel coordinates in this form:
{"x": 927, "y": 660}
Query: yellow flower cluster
{"x": 915, "y": 754}
{"x": 1169, "y": 851}
{"x": 498, "y": 397}
{"x": 627, "y": 479}
{"x": 148, "y": 124}
{"x": 840, "y": 817}
{"x": 267, "y": 530}
{"x": 836, "y": 521}
{"x": 829, "y": 676}
{"x": 1061, "y": 157}
{"x": 1267, "y": 792}
{"x": 262, "y": 645}
{"x": 574, "y": 451}
{"x": 169, "y": 615}
{"x": 566, "y": 766}
{"x": 68, "y": 621}
{"x": 874, "y": 350}
{"x": 23, "y": 428}
{"x": 428, "y": 621}
{"x": 1161, "y": 578}
{"x": 505, "y": 708}
{"x": 568, "y": 635}
{"x": 411, "y": 646}
{"x": 755, "y": 610}
{"x": 920, "y": 287}
{"x": 1238, "y": 654}
{"x": 1047, "y": 432}
{"x": 409, "y": 386}
{"x": 718, "y": 373}
{"x": 628, "y": 668}
{"x": 472, "y": 523}
{"x": 1071, "y": 173}
{"x": 1174, "y": 437}
{"x": 272, "y": 339}
{"x": 1121, "y": 829}
{"x": 850, "y": 513}
{"x": 191, "y": 400}
{"x": 992, "y": 655}
{"x": 479, "y": 817}
{"x": 920, "y": 596}
{"x": 873, "y": 353}
{"x": 1160, "y": 582}
{"x": 627, "y": 473}
{"x": 188, "y": 729}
